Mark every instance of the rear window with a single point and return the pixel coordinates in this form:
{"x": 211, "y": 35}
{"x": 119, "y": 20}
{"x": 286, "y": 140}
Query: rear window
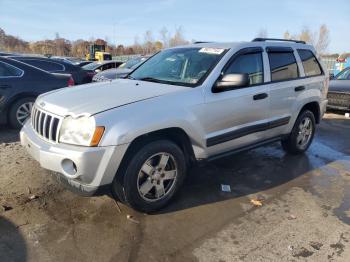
{"x": 310, "y": 63}
{"x": 44, "y": 65}
{"x": 7, "y": 70}
{"x": 283, "y": 66}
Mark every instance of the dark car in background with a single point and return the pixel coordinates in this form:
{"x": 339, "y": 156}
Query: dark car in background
{"x": 102, "y": 66}
{"x": 122, "y": 71}
{"x": 80, "y": 75}
{"x": 71, "y": 60}
{"x": 20, "y": 84}
{"x": 339, "y": 91}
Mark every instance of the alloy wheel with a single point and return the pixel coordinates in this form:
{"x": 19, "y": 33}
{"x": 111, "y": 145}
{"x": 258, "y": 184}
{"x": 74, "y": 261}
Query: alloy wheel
{"x": 23, "y": 112}
{"x": 304, "y": 133}
{"x": 157, "y": 177}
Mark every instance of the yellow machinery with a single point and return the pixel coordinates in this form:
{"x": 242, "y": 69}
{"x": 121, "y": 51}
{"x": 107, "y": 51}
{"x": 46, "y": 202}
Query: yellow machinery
{"x": 98, "y": 53}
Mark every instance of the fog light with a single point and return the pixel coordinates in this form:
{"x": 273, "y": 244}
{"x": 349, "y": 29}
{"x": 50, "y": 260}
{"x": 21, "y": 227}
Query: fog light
{"x": 69, "y": 167}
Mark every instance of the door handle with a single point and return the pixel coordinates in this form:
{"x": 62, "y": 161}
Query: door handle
{"x": 260, "y": 96}
{"x": 299, "y": 88}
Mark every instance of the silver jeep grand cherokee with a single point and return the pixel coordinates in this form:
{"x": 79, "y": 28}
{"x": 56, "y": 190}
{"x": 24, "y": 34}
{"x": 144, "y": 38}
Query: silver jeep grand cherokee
{"x": 138, "y": 136}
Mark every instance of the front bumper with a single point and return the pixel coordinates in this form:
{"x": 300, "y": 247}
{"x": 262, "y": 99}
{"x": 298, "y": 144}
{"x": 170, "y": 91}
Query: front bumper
{"x": 323, "y": 107}
{"x": 339, "y": 101}
{"x": 82, "y": 169}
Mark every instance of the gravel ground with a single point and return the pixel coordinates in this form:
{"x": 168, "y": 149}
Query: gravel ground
{"x": 305, "y": 212}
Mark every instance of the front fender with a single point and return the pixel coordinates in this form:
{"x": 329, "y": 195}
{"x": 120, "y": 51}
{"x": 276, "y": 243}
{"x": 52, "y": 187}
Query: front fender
{"x": 125, "y": 124}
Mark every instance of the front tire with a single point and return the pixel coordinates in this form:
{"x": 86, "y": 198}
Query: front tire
{"x": 300, "y": 139}
{"x": 20, "y": 111}
{"x": 152, "y": 176}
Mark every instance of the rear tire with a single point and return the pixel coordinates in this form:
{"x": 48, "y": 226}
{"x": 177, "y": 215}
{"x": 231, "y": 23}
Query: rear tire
{"x": 152, "y": 176}
{"x": 299, "y": 140}
{"x": 20, "y": 111}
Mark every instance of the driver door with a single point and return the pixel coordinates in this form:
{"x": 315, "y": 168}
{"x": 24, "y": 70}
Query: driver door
{"x": 236, "y": 118}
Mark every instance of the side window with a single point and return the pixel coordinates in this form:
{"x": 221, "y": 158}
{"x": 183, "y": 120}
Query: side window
{"x": 7, "y": 70}
{"x": 283, "y": 66}
{"x": 251, "y": 64}
{"x": 107, "y": 66}
{"x": 44, "y": 65}
{"x": 310, "y": 63}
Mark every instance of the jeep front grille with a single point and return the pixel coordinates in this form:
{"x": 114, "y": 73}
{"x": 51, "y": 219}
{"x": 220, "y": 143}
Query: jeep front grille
{"x": 46, "y": 125}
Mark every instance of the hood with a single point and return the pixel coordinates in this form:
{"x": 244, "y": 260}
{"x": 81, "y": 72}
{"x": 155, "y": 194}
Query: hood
{"x": 94, "y": 98}
{"x": 339, "y": 86}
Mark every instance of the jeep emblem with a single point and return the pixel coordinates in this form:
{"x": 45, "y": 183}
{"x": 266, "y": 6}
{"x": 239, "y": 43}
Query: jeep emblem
{"x": 42, "y": 104}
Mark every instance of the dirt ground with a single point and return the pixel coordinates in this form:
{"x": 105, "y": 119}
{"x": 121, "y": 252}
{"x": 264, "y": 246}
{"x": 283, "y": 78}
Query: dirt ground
{"x": 305, "y": 212}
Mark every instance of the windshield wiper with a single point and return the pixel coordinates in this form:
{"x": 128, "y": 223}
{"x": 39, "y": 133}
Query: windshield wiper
{"x": 151, "y": 79}
{"x": 130, "y": 77}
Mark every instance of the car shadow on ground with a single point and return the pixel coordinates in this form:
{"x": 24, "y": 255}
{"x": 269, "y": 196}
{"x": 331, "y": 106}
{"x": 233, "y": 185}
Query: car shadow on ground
{"x": 247, "y": 173}
{"x": 8, "y": 135}
{"x": 12, "y": 243}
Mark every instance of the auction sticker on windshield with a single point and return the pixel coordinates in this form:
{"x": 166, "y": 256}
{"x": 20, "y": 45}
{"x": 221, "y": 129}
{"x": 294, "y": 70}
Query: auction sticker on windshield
{"x": 213, "y": 51}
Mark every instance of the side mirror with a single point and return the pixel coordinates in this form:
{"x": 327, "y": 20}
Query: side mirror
{"x": 231, "y": 81}
{"x": 331, "y": 76}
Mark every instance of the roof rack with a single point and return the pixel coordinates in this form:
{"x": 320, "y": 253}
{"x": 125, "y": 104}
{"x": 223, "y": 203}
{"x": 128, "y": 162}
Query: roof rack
{"x": 201, "y": 42}
{"x": 260, "y": 39}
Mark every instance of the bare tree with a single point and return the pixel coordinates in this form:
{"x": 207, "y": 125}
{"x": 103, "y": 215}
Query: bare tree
{"x": 307, "y": 35}
{"x": 164, "y": 35}
{"x": 2, "y": 39}
{"x": 149, "y": 40}
{"x": 64, "y": 47}
{"x": 262, "y": 33}
{"x": 286, "y": 35}
{"x": 178, "y": 38}
{"x": 319, "y": 39}
{"x": 323, "y": 40}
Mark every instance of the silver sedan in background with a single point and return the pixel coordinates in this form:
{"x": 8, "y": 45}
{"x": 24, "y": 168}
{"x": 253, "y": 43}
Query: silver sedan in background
{"x": 122, "y": 71}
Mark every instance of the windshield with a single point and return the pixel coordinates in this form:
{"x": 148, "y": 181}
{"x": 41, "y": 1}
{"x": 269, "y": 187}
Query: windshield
{"x": 345, "y": 75}
{"x": 180, "y": 66}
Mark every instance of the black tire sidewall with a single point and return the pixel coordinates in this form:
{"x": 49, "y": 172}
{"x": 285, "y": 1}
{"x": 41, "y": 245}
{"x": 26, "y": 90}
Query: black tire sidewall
{"x": 12, "y": 117}
{"x": 295, "y": 131}
{"x": 132, "y": 196}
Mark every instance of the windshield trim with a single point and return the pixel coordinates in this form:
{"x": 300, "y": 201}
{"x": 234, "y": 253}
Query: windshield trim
{"x": 199, "y": 83}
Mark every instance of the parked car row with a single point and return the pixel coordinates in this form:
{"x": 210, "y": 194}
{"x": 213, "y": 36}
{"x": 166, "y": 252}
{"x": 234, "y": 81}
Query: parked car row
{"x": 80, "y": 75}
{"x": 20, "y": 84}
{"x": 24, "y": 77}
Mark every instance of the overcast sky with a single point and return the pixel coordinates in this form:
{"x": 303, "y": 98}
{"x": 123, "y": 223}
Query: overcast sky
{"x": 226, "y": 20}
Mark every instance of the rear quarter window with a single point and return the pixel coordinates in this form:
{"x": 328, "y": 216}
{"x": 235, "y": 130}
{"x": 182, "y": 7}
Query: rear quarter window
{"x": 7, "y": 70}
{"x": 283, "y": 66}
{"x": 310, "y": 63}
{"x": 45, "y": 65}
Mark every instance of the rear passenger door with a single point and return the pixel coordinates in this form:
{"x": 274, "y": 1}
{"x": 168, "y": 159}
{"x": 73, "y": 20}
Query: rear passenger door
{"x": 10, "y": 81}
{"x": 284, "y": 86}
